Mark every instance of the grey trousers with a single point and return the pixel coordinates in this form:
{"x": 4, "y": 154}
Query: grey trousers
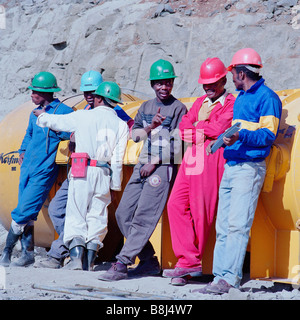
{"x": 139, "y": 210}
{"x": 57, "y": 213}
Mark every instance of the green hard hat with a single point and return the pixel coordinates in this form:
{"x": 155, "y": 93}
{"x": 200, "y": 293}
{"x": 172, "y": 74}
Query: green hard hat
{"x": 162, "y": 69}
{"x": 44, "y": 82}
{"x": 110, "y": 90}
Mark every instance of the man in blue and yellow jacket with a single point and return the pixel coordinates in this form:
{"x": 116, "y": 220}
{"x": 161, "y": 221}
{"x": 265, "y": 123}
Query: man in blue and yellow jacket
{"x": 258, "y": 109}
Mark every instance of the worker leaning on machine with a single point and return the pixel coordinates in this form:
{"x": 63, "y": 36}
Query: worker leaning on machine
{"x": 193, "y": 201}
{"x": 258, "y": 109}
{"x": 146, "y": 192}
{"x": 38, "y": 169}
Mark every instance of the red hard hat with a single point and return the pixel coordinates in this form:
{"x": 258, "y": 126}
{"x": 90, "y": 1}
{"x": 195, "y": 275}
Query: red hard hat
{"x": 212, "y": 70}
{"x": 245, "y": 56}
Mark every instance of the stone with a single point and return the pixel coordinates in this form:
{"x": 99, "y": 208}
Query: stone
{"x": 169, "y": 9}
{"x": 287, "y": 3}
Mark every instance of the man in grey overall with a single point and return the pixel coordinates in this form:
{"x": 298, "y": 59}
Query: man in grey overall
{"x": 146, "y": 193}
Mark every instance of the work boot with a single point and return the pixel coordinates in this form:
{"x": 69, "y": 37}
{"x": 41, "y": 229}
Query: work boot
{"x": 118, "y": 271}
{"x": 27, "y": 244}
{"x": 221, "y": 287}
{"x": 76, "y": 250}
{"x": 148, "y": 267}
{"x": 180, "y": 281}
{"x": 90, "y": 256}
{"x": 11, "y": 241}
{"x": 182, "y": 272}
{"x": 50, "y": 262}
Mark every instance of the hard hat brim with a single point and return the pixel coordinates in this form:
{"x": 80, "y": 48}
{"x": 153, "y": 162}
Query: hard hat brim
{"x": 39, "y": 89}
{"x": 114, "y": 100}
{"x": 235, "y": 65}
{"x": 85, "y": 88}
{"x": 212, "y": 80}
{"x": 162, "y": 78}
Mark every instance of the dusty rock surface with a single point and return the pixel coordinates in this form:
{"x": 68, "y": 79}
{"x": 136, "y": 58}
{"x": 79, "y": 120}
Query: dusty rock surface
{"x": 122, "y": 38}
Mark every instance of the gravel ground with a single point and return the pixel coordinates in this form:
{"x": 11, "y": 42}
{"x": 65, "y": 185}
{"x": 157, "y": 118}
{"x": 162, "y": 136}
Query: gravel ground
{"x": 32, "y": 283}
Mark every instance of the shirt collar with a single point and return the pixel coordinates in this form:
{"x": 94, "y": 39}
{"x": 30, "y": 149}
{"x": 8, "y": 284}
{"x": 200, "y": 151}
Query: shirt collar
{"x": 53, "y": 104}
{"x": 256, "y": 85}
{"x": 219, "y": 100}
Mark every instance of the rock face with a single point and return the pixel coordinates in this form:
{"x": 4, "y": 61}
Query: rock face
{"x": 122, "y": 38}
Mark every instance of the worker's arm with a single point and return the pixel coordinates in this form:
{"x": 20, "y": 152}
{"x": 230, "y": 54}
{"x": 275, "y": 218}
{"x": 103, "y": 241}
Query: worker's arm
{"x": 188, "y": 131}
{"x": 216, "y": 124}
{"x": 58, "y": 122}
{"x": 27, "y": 138}
{"x": 139, "y": 132}
{"x": 269, "y": 124}
{"x": 116, "y": 162}
{"x": 186, "y": 126}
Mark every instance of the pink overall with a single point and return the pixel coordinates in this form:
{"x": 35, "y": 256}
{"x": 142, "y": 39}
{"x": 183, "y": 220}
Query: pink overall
{"x": 192, "y": 205}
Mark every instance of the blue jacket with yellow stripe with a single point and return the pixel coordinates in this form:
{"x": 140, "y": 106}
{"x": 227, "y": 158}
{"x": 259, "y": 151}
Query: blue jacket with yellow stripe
{"x": 259, "y": 111}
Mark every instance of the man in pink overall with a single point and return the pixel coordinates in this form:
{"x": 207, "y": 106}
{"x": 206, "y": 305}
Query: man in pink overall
{"x": 192, "y": 205}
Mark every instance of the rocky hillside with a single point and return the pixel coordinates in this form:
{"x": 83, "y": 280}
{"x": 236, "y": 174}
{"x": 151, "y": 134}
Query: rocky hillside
{"x": 122, "y": 38}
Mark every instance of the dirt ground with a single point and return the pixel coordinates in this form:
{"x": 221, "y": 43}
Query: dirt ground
{"x": 32, "y": 283}
{"x": 47, "y": 284}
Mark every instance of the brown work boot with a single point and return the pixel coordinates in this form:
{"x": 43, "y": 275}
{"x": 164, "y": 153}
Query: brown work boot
{"x": 215, "y": 288}
{"x": 221, "y": 287}
{"x": 148, "y": 267}
{"x": 180, "y": 281}
{"x": 118, "y": 271}
{"x": 182, "y": 272}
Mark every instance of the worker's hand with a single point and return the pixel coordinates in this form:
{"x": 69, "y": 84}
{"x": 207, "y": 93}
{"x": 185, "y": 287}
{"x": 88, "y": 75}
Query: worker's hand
{"x": 37, "y": 112}
{"x": 72, "y": 143}
{"x": 112, "y": 195}
{"x": 157, "y": 120}
{"x": 230, "y": 141}
{"x": 147, "y": 169}
{"x": 208, "y": 148}
{"x": 21, "y": 157}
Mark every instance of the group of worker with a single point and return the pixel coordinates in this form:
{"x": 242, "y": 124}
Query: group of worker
{"x": 224, "y": 183}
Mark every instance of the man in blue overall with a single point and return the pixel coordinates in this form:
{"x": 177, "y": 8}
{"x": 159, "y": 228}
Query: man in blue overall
{"x": 38, "y": 169}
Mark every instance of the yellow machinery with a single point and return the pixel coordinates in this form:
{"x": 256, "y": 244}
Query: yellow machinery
{"x": 275, "y": 235}
{"x": 275, "y": 239}
{"x": 12, "y": 130}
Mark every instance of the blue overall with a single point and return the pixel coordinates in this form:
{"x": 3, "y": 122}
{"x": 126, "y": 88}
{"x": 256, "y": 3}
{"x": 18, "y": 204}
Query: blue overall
{"x": 38, "y": 170}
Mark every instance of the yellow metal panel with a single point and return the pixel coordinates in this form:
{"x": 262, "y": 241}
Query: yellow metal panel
{"x": 263, "y": 241}
{"x": 287, "y": 257}
{"x": 63, "y": 153}
{"x": 275, "y": 233}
